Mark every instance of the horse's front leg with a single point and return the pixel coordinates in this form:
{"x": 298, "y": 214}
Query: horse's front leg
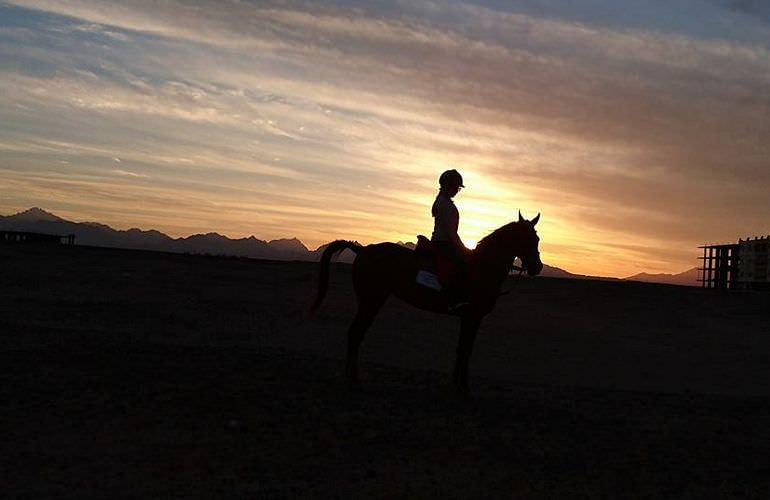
{"x": 469, "y": 326}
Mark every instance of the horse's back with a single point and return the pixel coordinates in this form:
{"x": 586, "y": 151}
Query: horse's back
{"x": 386, "y": 269}
{"x": 388, "y": 251}
{"x": 385, "y": 262}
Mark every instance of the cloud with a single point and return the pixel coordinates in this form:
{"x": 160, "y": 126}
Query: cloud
{"x": 757, "y": 8}
{"x": 128, "y": 173}
{"x": 615, "y": 132}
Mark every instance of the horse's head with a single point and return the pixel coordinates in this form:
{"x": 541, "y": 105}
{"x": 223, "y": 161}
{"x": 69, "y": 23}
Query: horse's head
{"x": 527, "y": 245}
{"x": 516, "y": 239}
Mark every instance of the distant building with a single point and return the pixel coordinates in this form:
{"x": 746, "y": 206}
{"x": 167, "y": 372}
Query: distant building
{"x": 753, "y": 264}
{"x": 744, "y": 265}
{"x": 28, "y": 237}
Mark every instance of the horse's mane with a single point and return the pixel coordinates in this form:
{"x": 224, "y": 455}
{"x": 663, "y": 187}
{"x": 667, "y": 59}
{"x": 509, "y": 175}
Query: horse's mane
{"x": 495, "y": 235}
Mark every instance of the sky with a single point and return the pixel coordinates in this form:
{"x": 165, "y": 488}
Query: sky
{"x": 638, "y": 129}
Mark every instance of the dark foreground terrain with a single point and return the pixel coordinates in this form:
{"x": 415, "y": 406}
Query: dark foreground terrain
{"x": 146, "y": 375}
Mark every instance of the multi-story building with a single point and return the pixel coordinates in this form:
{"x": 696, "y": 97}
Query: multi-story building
{"x": 744, "y": 265}
{"x": 753, "y": 269}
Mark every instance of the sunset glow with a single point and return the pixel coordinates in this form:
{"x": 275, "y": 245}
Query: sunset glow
{"x": 637, "y": 139}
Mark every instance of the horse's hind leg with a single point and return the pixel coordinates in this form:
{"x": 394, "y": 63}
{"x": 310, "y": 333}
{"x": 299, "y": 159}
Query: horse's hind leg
{"x": 367, "y": 310}
{"x": 469, "y": 326}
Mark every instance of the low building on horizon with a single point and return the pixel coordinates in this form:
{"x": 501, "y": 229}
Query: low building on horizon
{"x": 31, "y": 237}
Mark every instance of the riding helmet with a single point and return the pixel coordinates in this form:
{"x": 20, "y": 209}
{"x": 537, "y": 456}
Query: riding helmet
{"x": 451, "y": 178}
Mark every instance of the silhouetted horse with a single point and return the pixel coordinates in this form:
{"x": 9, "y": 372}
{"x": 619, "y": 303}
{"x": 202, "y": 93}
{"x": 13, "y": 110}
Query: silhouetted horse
{"x": 386, "y": 269}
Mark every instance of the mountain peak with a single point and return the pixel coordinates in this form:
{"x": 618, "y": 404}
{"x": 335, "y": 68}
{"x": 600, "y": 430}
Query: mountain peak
{"x": 35, "y": 214}
{"x": 288, "y": 244}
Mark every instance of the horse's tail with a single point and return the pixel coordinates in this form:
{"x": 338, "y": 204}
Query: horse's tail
{"x": 330, "y": 251}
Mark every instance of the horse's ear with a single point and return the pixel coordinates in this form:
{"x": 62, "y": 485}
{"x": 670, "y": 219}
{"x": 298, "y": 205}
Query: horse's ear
{"x": 534, "y": 221}
{"x": 521, "y": 219}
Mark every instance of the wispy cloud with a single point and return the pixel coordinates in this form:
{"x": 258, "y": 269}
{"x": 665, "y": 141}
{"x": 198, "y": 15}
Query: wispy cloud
{"x": 128, "y": 173}
{"x": 326, "y": 121}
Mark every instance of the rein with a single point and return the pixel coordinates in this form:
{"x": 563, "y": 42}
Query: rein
{"x": 520, "y": 270}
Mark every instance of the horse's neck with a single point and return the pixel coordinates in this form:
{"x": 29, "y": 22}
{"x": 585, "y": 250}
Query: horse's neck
{"x": 494, "y": 272}
{"x": 492, "y": 265}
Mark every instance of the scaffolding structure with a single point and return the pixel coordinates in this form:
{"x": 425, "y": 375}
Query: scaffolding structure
{"x": 719, "y": 266}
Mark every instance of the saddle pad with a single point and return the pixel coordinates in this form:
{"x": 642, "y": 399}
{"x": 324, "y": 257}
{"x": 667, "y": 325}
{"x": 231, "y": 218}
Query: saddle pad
{"x": 428, "y": 279}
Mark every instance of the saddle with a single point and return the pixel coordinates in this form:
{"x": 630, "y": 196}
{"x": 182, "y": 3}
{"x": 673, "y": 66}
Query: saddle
{"x": 432, "y": 261}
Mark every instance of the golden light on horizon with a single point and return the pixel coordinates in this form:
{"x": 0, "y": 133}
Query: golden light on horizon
{"x": 324, "y": 122}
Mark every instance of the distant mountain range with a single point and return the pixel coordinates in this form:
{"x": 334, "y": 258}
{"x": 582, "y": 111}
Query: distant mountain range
{"x": 96, "y": 234}
{"x": 688, "y": 278}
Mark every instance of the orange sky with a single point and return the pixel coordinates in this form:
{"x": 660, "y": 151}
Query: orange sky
{"x": 638, "y": 139}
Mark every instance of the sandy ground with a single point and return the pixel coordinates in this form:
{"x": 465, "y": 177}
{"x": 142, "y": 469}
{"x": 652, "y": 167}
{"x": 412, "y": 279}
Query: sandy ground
{"x": 146, "y": 375}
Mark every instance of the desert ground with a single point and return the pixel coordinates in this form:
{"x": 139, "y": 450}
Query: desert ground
{"x": 129, "y": 374}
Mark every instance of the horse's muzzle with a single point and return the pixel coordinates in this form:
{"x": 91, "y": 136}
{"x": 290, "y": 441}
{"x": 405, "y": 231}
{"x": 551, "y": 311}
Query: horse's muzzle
{"x": 534, "y": 270}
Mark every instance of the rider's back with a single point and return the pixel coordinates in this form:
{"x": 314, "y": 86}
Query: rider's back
{"x": 446, "y": 219}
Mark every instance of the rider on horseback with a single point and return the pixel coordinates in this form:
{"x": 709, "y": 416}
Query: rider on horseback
{"x": 384, "y": 269}
{"x": 445, "y": 238}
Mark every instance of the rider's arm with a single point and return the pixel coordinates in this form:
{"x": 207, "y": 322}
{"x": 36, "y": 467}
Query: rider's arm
{"x": 457, "y": 241}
